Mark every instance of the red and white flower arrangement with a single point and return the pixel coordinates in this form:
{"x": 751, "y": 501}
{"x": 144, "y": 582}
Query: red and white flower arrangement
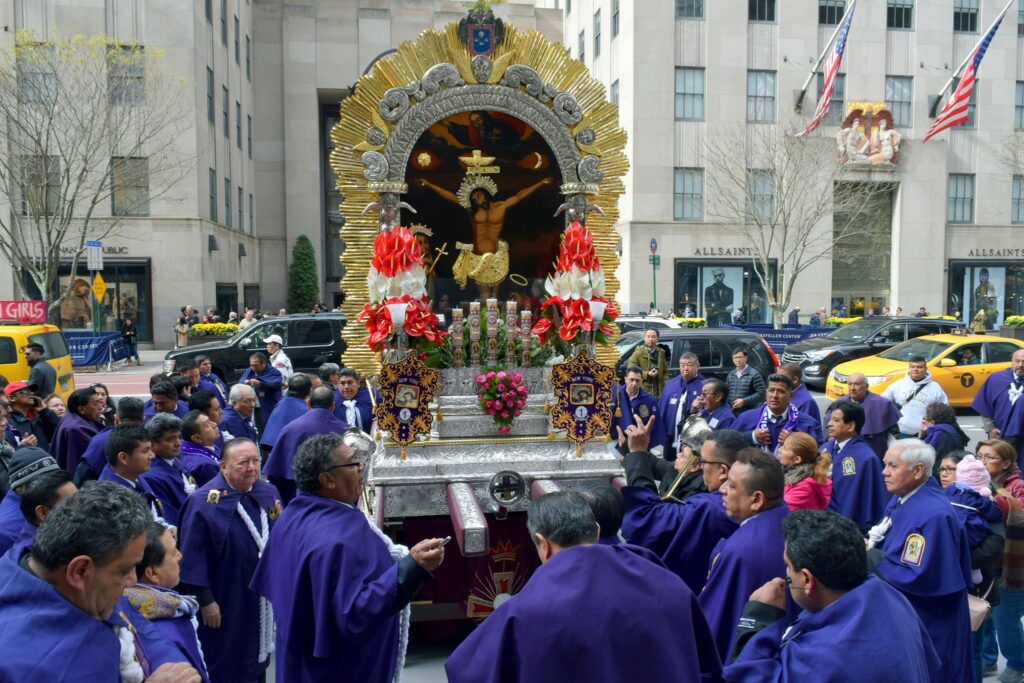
{"x": 577, "y": 281}
{"x": 397, "y": 276}
{"x": 502, "y": 395}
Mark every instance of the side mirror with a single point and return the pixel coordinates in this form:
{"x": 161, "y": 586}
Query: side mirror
{"x": 947, "y": 363}
{"x": 880, "y": 339}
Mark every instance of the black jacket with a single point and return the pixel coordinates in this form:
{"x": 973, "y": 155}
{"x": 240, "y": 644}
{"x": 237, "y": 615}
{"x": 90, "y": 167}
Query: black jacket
{"x": 750, "y": 387}
{"x": 43, "y": 426}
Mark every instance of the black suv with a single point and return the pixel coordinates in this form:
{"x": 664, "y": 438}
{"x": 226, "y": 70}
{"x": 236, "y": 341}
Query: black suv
{"x": 309, "y": 341}
{"x": 713, "y": 347}
{"x": 864, "y": 337}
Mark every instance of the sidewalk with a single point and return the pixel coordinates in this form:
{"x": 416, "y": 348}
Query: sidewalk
{"x": 124, "y": 380}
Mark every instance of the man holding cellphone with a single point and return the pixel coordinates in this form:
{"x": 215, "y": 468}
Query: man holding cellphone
{"x": 33, "y": 423}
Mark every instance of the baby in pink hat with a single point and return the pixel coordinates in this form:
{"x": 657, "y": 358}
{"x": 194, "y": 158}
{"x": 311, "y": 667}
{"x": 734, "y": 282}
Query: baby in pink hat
{"x": 973, "y": 474}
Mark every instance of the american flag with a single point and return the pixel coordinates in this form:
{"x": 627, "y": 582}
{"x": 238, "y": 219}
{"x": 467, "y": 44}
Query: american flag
{"x": 954, "y": 112}
{"x": 831, "y": 71}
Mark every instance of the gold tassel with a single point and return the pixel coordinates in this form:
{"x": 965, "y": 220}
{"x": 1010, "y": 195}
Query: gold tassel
{"x": 579, "y": 451}
{"x": 618, "y": 411}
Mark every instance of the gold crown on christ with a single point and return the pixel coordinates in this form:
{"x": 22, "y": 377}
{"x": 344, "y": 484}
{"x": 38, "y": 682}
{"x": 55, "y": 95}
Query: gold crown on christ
{"x": 474, "y": 181}
{"x": 420, "y": 229}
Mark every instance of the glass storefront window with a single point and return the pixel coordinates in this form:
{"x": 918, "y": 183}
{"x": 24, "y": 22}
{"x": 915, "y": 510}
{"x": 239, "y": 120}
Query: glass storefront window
{"x": 715, "y": 290}
{"x": 986, "y": 293}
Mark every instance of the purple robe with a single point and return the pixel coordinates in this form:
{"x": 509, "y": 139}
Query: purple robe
{"x": 682, "y": 535}
{"x": 167, "y": 482}
{"x": 804, "y": 649}
{"x": 199, "y": 462}
{"x": 95, "y": 455}
{"x": 643, "y": 406}
{"x": 237, "y": 426}
{"x": 177, "y": 630}
{"x": 71, "y": 440}
{"x": 748, "y": 420}
{"x": 928, "y": 559}
{"x": 880, "y": 416}
{"x": 335, "y": 592}
{"x": 279, "y": 464}
{"x": 149, "y": 410}
{"x": 721, "y": 418}
{"x": 214, "y": 385}
{"x": 645, "y": 626}
{"x": 805, "y": 403}
{"x": 154, "y": 504}
{"x": 268, "y": 393}
{"x": 26, "y": 536}
{"x": 975, "y": 512}
{"x": 35, "y": 624}
{"x": 290, "y": 408}
{"x": 665, "y": 427}
{"x": 858, "y": 490}
{"x": 740, "y": 565}
{"x": 11, "y": 520}
{"x": 363, "y": 404}
{"x": 993, "y": 401}
{"x": 219, "y": 554}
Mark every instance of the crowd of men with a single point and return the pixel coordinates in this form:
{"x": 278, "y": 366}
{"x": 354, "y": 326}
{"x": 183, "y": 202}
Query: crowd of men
{"x": 200, "y": 534}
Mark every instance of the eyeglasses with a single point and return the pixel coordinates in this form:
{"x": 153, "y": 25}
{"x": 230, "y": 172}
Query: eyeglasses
{"x": 348, "y": 464}
{"x": 790, "y": 586}
{"x": 991, "y": 458}
{"x": 701, "y": 463}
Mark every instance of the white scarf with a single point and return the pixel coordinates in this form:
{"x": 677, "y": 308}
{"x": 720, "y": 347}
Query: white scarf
{"x": 352, "y": 416}
{"x": 1014, "y": 391}
{"x": 130, "y": 670}
{"x": 266, "y": 626}
{"x": 397, "y": 552}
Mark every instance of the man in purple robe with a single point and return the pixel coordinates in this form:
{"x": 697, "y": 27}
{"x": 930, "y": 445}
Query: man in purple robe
{"x": 212, "y": 407}
{"x": 606, "y": 504}
{"x": 79, "y": 425}
{"x": 62, "y": 617}
{"x": 167, "y": 477}
{"x": 591, "y": 612}
{"x": 920, "y": 548}
{"x": 631, "y": 402}
{"x": 767, "y": 426}
{"x": 340, "y": 588}
{"x": 199, "y": 457}
{"x": 238, "y": 421}
{"x": 682, "y": 534}
{"x": 164, "y": 399}
{"x": 27, "y": 465}
{"x": 713, "y": 407}
{"x": 825, "y": 562}
{"x": 352, "y": 404}
{"x": 800, "y": 397}
{"x": 39, "y": 495}
{"x": 319, "y": 419}
{"x": 209, "y": 381}
{"x": 224, "y": 530}
{"x": 881, "y": 416}
{"x": 858, "y": 490}
{"x": 678, "y": 399}
{"x": 752, "y": 495}
{"x": 997, "y": 402}
{"x": 293, "y": 405}
{"x": 266, "y": 381}
{"x": 129, "y": 411}
{"x": 130, "y": 455}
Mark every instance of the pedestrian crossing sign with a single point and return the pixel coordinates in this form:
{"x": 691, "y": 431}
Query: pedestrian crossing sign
{"x": 99, "y": 287}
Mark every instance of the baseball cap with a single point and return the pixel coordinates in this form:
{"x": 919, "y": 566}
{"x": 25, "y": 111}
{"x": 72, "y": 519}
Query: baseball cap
{"x": 15, "y": 387}
{"x": 274, "y": 339}
{"x": 29, "y": 462}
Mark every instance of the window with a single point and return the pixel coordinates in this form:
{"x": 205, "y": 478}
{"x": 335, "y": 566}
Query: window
{"x": 615, "y": 92}
{"x": 761, "y": 10}
{"x": 1017, "y": 205}
{"x": 224, "y": 21}
{"x": 241, "y": 211}
{"x": 209, "y": 96}
{"x": 760, "y": 196}
{"x": 1020, "y": 21}
{"x": 227, "y": 202}
{"x": 761, "y": 96}
{"x": 224, "y": 107}
{"x": 688, "y": 194}
{"x": 830, "y": 12}
{"x": 238, "y": 124}
{"x": 209, "y": 11}
{"x": 238, "y": 43}
{"x": 129, "y": 184}
{"x": 1018, "y": 109}
{"x": 615, "y": 18}
{"x": 252, "y": 214}
{"x": 568, "y": 6}
{"x": 213, "y": 195}
{"x": 126, "y": 76}
{"x": 900, "y": 14}
{"x": 960, "y": 198}
{"x": 39, "y": 185}
{"x": 965, "y": 16}
{"x": 899, "y": 92}
{"x": 689, "y": 94}
{"x": 597, "y": 34}
{"x": 248, "y": 58}
{"x": 998, "y": 352}
{"x": 972, "y": 106}
{"x": 249, "y": 134}
{"x": 311, "y": 333}
{"x": 689, "y": 9}
{"x": 583, "y": 44}
{"x": 837, "y": 107}
{"x": 37, "y": 82}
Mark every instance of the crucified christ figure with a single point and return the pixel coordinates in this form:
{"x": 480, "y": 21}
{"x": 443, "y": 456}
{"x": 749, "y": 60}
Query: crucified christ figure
{"x": 486, "y": 260}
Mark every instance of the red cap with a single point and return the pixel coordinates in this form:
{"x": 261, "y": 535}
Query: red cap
{"x": 15, "y": 387}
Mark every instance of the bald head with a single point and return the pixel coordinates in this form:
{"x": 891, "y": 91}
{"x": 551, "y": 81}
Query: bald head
{"x": 322, "y": 397}
{"x": 1017, "y": 362}
{"x": 857, "y": 384}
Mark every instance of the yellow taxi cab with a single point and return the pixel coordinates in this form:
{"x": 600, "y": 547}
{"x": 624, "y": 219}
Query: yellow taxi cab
{"x": 13, "y": 366}
{"x": 960, "y": 363}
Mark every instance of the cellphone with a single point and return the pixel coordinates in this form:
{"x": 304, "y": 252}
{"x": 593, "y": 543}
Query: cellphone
{"x": 445, "y": 541}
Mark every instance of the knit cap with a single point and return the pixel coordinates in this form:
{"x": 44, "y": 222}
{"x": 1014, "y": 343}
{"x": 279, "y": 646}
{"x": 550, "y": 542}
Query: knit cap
{"x": 971, "y": 472}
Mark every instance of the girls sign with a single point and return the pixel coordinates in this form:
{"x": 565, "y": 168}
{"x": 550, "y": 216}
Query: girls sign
{"x": 25, "y": 312}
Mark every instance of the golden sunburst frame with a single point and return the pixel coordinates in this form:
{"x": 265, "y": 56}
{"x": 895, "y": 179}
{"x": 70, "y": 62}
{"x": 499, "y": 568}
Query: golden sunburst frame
{"x": 436, "y": 76}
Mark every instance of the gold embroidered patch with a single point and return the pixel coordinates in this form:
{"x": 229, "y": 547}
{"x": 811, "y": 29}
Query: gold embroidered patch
{"x": 849, "y": 467}
{"x": 274, "y": 512}
{"x": 913, "y": 550}
{"x": 213, "y": 496}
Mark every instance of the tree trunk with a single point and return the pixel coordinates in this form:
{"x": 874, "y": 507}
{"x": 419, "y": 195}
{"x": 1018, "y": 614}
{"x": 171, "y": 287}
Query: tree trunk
{"x": 778, "y": 317}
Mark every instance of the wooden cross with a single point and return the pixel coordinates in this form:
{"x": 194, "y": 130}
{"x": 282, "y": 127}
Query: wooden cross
{"x": 440, "y": 252}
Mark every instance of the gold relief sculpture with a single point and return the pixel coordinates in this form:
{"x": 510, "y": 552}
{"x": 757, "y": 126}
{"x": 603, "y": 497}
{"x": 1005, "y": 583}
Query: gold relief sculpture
{"x": 406, "y": 389}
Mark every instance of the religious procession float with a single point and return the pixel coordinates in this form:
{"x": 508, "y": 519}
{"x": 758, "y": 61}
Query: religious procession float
{"x": 480, "y": 169}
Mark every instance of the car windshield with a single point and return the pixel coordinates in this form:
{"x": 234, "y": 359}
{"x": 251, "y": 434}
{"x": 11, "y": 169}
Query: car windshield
{"x": 625, "y": 343}
{"x": 916, "y": 347}
{"x": 856, "y": 331}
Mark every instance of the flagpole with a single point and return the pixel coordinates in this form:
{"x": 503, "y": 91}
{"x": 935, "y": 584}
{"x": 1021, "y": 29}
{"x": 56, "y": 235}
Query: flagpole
{"x": 821, "y": 58}
{"x": 935, "y": 106}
